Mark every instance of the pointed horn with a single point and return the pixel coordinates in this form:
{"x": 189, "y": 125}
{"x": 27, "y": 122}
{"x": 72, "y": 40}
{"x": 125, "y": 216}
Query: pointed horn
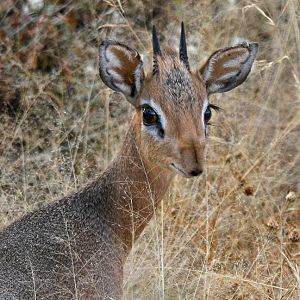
{"x": 156, "y": 49}
{"x": 182, "y": 48}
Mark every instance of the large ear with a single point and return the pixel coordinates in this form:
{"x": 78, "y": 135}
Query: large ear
{"x": 227, "y": 68}
{"x": 121, "y": 69}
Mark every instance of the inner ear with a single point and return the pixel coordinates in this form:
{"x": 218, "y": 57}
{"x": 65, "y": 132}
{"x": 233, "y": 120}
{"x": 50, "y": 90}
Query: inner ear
{"x": 227, "y": 68}
{"x": 121, "y": 68}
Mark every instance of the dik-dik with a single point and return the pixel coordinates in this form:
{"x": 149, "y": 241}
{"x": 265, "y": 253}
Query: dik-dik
{"x": 75, "y": 248}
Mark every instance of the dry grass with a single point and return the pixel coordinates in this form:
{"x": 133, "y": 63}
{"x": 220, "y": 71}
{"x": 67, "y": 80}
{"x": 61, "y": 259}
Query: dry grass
{"x": 231, "y": 234}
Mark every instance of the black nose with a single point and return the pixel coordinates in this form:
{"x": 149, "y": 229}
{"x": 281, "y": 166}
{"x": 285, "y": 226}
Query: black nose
{"x": 196, "y": 172}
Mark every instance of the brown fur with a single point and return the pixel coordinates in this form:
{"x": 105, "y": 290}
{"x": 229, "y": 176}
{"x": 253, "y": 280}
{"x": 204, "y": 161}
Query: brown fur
{"x": 128, "y": 67}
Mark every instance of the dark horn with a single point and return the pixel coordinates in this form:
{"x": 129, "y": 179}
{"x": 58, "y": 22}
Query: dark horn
{"x": 182, "y": 48}
{"x": 156, "y": 49}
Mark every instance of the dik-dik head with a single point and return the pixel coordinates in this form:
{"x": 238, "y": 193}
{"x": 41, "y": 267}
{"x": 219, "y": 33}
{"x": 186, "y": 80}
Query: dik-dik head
{"x": 172, "y": 103}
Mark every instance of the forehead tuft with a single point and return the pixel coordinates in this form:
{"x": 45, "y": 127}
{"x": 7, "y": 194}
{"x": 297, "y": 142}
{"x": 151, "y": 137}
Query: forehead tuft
{"x": 176, "y": 80}
{"x": 178, "y": 83}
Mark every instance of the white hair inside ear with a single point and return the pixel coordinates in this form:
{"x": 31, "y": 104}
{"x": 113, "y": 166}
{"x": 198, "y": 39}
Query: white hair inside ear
{"x": 121, "y": 69}
{"x": 227, "y": 68}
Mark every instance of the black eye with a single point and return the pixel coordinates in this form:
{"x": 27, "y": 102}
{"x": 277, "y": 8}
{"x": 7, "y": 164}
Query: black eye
{"x": 150, "y": 117}
{"x": 207, "y": 114}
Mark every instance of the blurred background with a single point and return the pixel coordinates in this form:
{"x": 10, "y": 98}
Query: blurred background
{"x": 233, "y": 233}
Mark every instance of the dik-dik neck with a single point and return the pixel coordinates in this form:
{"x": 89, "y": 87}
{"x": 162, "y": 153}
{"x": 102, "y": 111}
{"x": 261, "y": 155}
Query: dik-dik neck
{"x": 138, "y": 188}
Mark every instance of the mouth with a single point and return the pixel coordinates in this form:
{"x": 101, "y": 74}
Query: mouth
{"x": 179, "y": 171}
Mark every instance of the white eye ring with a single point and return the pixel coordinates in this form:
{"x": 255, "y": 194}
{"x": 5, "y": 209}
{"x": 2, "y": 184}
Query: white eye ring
{"x": 157, "y": 109}
{"x": 204, "y": 108}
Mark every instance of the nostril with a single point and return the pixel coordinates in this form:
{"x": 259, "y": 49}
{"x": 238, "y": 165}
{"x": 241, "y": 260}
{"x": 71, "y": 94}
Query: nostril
{"x": 196, "y": 172}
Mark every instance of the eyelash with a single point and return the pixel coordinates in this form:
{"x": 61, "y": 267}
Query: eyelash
{"x": 215, "y": 107}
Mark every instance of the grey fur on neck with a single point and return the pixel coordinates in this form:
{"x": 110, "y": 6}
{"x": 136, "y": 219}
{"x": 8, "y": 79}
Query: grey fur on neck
{"x": 76, "y": 247}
